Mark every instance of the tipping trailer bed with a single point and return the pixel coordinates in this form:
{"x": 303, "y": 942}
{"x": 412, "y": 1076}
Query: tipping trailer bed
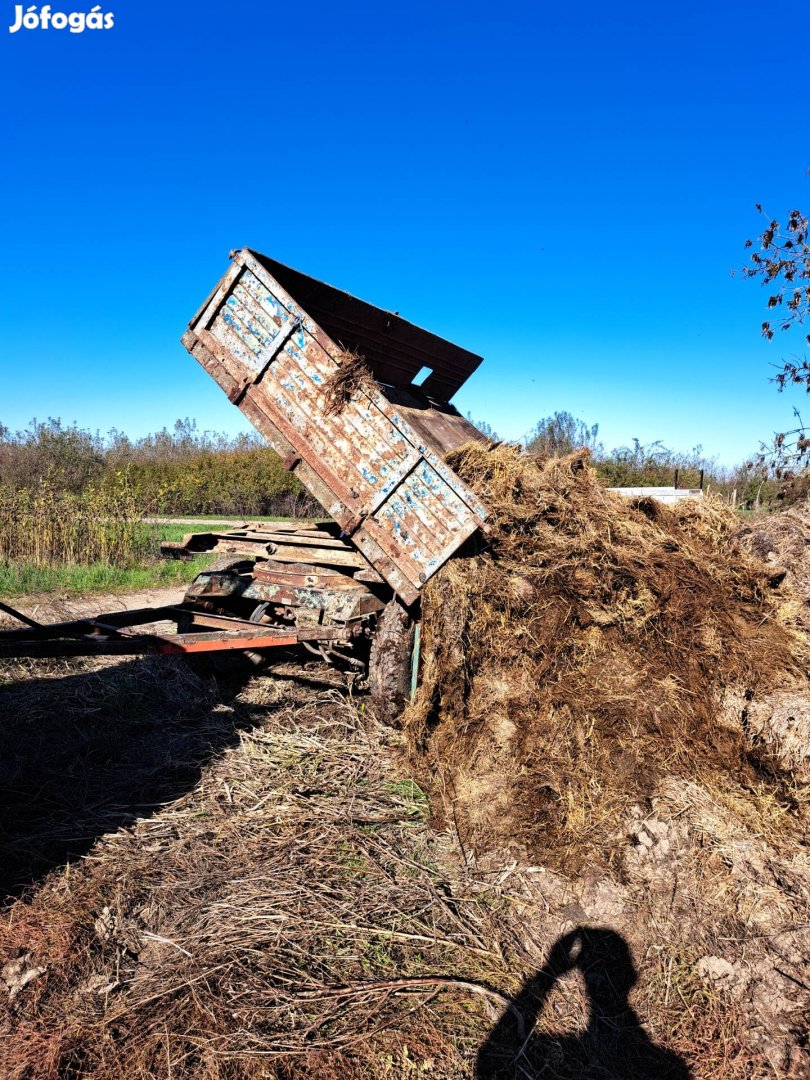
{"x": 376, "y": 465}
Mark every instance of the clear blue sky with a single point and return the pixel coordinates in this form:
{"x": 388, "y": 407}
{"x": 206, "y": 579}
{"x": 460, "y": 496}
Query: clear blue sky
{"x": 562, "y": 188}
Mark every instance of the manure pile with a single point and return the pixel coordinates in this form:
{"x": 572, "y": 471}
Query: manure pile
{"x": 615, "y": 693}
{"x": 782, "y": 541}
{"x": 588, "y": 648}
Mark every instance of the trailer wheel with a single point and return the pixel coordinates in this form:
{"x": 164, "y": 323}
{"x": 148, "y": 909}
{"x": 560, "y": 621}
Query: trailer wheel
{"x": 390, "y": 662}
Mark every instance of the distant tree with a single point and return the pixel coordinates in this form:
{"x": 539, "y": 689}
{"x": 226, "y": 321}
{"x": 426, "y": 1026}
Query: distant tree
{"x": 782, "y": 264}
{"x": 654, "y": 464}
{"x": 562, "y": 433}
{"x": 67, "y": 456}
{"x": 484, "y": 428}
{"x": 182, "y": 470}
{"x": 641, "y": 464}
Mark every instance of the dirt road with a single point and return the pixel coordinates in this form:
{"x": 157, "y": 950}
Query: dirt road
{"x": 49, "y": 608}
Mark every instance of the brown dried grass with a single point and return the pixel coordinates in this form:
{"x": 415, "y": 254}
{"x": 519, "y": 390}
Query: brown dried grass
{"x": 579, "y": 653}
{"x": 351, "y": 377}
{"x": 287, "y": 917}
{"x": 291, "y": 914}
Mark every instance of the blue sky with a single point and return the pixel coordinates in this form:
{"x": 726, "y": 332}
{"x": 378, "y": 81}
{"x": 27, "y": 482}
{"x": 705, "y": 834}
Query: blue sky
{"x": 564, "y": 189}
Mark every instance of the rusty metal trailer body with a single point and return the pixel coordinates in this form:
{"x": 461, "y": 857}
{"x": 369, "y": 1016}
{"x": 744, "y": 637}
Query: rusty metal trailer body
{"x": 376, "y": 465}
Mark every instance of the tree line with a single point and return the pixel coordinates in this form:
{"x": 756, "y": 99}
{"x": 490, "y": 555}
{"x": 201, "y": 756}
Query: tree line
{"x": 749, "y": 485}
{"x": 183, "y": 471}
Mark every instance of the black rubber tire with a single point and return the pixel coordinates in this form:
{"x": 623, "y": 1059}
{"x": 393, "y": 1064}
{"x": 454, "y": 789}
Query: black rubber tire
{"x": 390, "y": 660}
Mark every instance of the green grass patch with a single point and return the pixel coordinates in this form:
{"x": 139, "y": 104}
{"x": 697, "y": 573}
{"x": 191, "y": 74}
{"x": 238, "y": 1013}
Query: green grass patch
{"x": 19, "y": 579}
{"x": 170, "y": 531}
{"x": 415, "y": 800}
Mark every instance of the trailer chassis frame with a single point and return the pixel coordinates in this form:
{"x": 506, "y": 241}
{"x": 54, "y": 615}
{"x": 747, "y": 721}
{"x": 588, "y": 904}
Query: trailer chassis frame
{"x": 112, "y": 634}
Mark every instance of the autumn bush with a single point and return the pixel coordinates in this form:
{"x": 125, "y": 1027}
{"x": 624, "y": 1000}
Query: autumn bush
{"x": 183, "y": 471}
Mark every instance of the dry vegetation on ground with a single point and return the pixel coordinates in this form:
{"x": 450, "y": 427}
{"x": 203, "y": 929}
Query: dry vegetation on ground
{"x": 614, "y": 838}
{"x": 280, "y": 909}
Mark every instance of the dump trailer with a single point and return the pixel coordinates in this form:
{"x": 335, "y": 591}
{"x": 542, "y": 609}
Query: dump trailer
{"x": 371, "y": 449}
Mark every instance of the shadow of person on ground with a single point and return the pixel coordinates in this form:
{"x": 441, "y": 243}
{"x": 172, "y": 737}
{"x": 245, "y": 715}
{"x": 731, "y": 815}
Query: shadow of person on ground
{"x": 83, "y": 754}
{"x": 614, "y": 1046}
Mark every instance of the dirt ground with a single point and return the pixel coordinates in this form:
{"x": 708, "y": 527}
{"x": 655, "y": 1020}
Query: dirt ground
{"x": 48, "y": 608}
{"x": 242, "y": 879}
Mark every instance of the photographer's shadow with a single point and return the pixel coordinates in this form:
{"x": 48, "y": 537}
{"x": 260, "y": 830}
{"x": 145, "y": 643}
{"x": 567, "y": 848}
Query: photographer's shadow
{"x": 614, "y": 1046}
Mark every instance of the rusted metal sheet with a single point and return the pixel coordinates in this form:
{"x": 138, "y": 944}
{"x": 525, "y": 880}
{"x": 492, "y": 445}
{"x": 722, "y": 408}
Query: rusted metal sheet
{"x": 288, "y": 544}
{"x": 292, "y": 585}
{"x": 383, "y": 480}
{"x": 438, "y": 422}
{"x": 339, "y": 597}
